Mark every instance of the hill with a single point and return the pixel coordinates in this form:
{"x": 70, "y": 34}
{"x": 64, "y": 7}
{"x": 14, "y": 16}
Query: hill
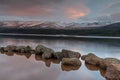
{"x": 107, "y": 30}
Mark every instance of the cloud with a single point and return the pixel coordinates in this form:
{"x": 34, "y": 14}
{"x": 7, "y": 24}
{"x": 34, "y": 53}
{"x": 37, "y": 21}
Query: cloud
{"x": 112, "y": 8}
{"x": 26, "y": 7}
{"x": 45, "y": 9}
{"x": 31, "y": 11}
{"x": 115, "y": 17}
{"x": 77, "y": 12}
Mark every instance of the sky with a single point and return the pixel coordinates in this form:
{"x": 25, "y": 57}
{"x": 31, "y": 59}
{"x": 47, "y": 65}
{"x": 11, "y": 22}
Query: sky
{"x": 60, "y": 10}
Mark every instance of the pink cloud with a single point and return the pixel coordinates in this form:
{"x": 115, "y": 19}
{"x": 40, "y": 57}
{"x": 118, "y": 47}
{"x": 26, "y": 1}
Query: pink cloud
{"x": 31, "y": 11}
{"x": 77, "y": 11}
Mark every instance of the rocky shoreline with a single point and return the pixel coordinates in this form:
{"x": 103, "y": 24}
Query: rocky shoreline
{"x": 111, "y": 66}
{"x": 70, "y": 60}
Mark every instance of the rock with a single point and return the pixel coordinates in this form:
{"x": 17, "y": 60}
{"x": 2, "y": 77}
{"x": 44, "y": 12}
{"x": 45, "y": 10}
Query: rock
{"x": 10, "y": 48}
{"x": 102, "y": 72}
{"x": 95, "y": 68}
{"x": 69, "y": 68}
{"x": 2, "y": 49}
{"x": 38, "y": 57}
{"x": 9, "y": 53}
{"x": 44, "y": 51}
{"x": 47, "y": 62}
{"x": 40, "y": 49}
{"x": 107, "y": 62}
{"x": 92, "y": 59}
{"x": 58, "y": 55}
{"x": 27, "y": 55}
{"x": 55, "y": 61}
{"x": 20, "y": 49}
{"x": 46, "y": 55}
{"x": 71, "y": 61}
{"x": 28, "y": 49}
{"x": 113, "y": 72}
{"x": 92, "y": 67}
{"x": 83, "y": 57}
{"x": 70, "y": 54}
{"x": 32, "y": 52}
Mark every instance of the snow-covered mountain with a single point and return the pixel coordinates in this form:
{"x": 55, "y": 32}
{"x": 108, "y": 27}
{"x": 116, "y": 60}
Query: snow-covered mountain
{"x": 53, "y": 25}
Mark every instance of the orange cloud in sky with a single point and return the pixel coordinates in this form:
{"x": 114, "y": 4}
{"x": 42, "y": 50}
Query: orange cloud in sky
{"x": 77, "y": 11}
{"x": 74, "y": 13}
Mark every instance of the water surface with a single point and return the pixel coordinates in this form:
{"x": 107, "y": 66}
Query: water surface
{"x": 31, "y": 67}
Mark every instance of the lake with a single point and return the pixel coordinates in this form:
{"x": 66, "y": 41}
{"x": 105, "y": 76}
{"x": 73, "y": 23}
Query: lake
{"x": 31, "y": 67}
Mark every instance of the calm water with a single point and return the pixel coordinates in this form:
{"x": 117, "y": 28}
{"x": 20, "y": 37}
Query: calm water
{"x": 31, "y": 67}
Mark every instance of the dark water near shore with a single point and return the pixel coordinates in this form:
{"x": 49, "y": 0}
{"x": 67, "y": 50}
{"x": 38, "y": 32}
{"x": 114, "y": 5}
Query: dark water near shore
{"x": 30, "y": 67}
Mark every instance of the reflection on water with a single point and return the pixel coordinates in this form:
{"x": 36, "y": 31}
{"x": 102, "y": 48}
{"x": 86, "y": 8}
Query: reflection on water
{"x": 47, "y": 62}
{"x": 28, "y": 67}
{"x": 95, "y": 68}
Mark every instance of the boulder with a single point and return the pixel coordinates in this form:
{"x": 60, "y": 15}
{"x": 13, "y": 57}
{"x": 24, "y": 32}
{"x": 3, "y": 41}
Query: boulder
{"x": 71, "y": 61}
{"x": 10, "y": 48}
{"x": 102, "y": 72}
{"x": 108, "y": 61}
{"x": 2, "y": 49}
{"x": 92, "y": 59}
{"x": 38, "y": 57}
{"x": 83, "y": 57}
{"x": 40, "y": 49}
{"x": 28, "y": 49}
{"x": 92, "y": 67}
{"x": 44, "y": 51}
{"x": 20, "y": 49}
{"x": 113, "y": 72}
{"x": 55, "y": 61}
{"x": 27, "y": 55}
{"x": 70, "y": 54}
{"x": 58, "y": 55}
{"x": 9, "y": 53}
{"x": 47, "y": 62}
{"x": 32, "y": 52}
{"x": 95, "y": 68}
{"x": 47, "y": 55}
{"x": 69, "y": 68}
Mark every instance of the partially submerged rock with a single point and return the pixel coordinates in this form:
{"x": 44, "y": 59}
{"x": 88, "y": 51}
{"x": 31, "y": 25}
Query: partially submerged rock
{"x": 2, "y": 50}
{"x": 55, "y": 61}
{"x": 9, "y": 53}
{"x": 58, "y": 55}
{"x": 32, "y": 52}
{"x": 71, "y": 61}
{"x": 108, "y": 61}
{"x": 9, "y": 48}
{"x": 44, "y": 51}
{"x": 21, "y": 49}
{"x": 83, "y": 57}
{"x": 47, "y": 55}
{"x": 27, "y": 55}
{"x": 69, "y": 68}
{"x": 38, "y": 57}
{"x": 70, "y": 54}
{"x": 92, "y": 67}
{"x": 40, "y": 49}
{"x": 113, "y": 72}
{"x": 28, "y": 49}
{"x": 92, "y": 59}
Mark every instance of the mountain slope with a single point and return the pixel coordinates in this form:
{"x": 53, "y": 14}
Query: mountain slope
{"x": 108, "y": 30}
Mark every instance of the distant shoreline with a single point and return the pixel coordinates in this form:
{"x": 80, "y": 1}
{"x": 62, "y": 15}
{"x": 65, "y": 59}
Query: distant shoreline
{"x": 58, "y": 36}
